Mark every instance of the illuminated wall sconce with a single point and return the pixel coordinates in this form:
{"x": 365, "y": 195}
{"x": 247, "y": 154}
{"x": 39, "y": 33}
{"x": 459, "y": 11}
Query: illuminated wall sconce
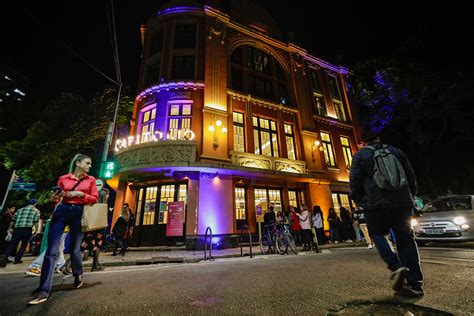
{"x": 216, "y": 130}
{"x": 315, "y": 147}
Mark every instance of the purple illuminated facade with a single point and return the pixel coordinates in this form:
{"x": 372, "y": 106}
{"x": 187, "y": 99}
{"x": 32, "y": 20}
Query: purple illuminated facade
{"x": 230, "y": 119}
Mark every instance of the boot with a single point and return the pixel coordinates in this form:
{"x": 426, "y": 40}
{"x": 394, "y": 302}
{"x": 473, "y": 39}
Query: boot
{"x": 95, "y": 263}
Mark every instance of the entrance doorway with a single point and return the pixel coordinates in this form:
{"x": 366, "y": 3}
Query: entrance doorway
{"x": 152, "y": 213}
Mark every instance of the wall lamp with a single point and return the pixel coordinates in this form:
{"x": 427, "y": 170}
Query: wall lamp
{"x": 217, "y": 129}
{"x": 315, "y": 147}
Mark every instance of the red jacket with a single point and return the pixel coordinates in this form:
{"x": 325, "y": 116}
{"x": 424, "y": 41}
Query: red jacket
{"x": 296, "y": 221}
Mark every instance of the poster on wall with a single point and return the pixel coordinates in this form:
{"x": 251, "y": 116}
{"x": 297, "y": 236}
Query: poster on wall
{"x": 174, "y": 227}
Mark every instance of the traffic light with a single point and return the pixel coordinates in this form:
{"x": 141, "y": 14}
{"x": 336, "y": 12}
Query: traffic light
{"x": 109, "y": 170}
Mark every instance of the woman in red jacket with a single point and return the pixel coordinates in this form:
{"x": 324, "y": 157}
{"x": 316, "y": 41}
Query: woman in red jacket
{"x": 75, "y": 190}
{"x": 295, "y": 225}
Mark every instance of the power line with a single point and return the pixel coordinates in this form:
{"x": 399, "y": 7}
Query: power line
{"x": 55, "y": 38}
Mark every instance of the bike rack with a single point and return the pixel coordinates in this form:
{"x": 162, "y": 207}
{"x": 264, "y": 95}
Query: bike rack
{"x": 250, "y": 240}
{"x": 208, "y": 229}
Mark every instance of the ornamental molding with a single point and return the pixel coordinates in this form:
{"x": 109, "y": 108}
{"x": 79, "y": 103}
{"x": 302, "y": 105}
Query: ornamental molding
{"x": 333, "y": 122}
{"x": 156, "y": 154}
{"x": 173, "y": 85}
{"x": 270, "y": 163}
{"x": 260, "y": 102}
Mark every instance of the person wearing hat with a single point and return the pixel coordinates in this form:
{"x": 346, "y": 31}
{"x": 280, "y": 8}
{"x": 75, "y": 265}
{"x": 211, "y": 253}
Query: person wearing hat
{"x": 23, "y": 221}
{"x": 388, "y": 208}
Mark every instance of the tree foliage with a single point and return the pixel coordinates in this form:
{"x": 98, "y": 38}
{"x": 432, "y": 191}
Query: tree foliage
{"x": 68, "y": 125}
{"x": 428, "y": 112}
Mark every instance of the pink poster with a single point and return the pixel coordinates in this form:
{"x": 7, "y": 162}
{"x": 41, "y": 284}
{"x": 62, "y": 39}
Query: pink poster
{"x": 174, "y": 227}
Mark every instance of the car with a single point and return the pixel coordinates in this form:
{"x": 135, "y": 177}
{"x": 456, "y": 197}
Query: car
{"x": 445, "y": 219}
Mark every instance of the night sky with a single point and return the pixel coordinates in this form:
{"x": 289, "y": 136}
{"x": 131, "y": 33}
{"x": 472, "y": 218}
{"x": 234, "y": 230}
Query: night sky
{"x": 36, "y": 36}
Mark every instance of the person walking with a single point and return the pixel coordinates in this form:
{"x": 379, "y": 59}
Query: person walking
{"x": 24, "y": 220}
{"x": 359, "y": 217}
{"x": 77, "y": 189}
{"x": 386, "y": 198}
{"x": 317, "y": 220}
{"x": 356, "y": 224}
{"x": 5, "y": 220}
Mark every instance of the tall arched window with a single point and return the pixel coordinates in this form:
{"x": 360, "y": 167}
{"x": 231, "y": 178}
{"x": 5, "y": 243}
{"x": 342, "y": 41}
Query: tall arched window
{"x": 258, "y": 73}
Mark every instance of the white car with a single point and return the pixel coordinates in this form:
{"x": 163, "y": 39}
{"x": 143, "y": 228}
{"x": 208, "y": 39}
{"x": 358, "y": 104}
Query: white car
{"x": 446, "y": 219}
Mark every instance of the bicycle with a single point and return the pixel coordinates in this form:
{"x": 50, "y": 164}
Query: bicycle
{"x": 275, "y": 240}
{"x": 288, "y": 239}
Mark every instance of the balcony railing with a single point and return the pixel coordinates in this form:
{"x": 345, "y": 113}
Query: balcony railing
{"x": 267, "y": 162}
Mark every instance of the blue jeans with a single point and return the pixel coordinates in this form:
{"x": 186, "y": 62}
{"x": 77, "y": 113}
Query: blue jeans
{"x": 61, "y": 261}
{"x": 379, "y": 222}
{"x": 22, "y": 234}
{"x": 65, "y": 214}
{"x": 358, "y": 233}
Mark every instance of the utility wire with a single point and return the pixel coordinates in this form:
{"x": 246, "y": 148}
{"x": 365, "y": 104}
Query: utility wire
{"x": 54, "y": 37}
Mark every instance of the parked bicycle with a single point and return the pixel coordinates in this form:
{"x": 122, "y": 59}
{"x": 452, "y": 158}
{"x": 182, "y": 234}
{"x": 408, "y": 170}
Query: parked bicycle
{"x": 276, "y": 238}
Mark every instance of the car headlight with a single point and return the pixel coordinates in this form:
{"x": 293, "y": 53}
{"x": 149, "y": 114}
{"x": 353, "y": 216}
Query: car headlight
{"x": 459, "y": 220}
{"x": 414, "y": 222}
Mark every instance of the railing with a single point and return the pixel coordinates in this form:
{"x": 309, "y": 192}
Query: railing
{"x": 208, "y": 229}
{"x": 250, "y": 240}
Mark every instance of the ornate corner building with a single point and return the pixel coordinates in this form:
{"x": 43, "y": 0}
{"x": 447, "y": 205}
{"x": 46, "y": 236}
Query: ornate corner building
{"x": 228, "y": 121}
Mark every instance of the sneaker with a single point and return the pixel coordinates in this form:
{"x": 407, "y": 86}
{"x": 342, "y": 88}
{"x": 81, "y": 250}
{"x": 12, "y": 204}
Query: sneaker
{"x": 370, "y": 246}
{"x": 349, "y": 240}
{"x": 33, "y": 272}
{"x": 78, "y": 283}
{"x": 336, "y": 242}
{"x": 398, "y": 278}
{"x": 410, "y": 291}
{"x": 39, "y": 298}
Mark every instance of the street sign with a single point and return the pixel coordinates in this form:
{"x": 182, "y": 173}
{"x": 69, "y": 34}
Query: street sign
{"x": 23, "y": 186}
{"x": 109, "y": 170}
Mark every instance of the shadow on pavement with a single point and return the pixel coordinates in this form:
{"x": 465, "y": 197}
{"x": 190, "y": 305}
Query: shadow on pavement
{"x": 389, "y": 306}
{"x": 70, "y": 287}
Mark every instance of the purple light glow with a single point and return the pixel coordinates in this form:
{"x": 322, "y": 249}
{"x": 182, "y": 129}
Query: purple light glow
{"x": 175, "y": 10}
{"x": 215, "y": 205}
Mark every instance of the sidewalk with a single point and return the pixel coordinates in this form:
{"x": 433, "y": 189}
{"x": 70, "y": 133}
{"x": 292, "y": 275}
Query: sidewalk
{"x": 156, "y": 255}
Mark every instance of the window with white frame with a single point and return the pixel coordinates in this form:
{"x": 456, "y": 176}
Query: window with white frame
{"x": 339, "y": 110}
{"x": 328, "y": 150}
{"x": 148, "y": 123}
{"x": 179, "y": 119}
{"x": 290, "y": 141}
{"x": 334, "y": 87}
{"x": 265, "y": 137}
{"x": 239, "y": 132}
{"x": 346, "y": 149}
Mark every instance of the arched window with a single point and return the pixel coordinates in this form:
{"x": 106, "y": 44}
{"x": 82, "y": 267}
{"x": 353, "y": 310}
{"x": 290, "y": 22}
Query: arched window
{"x": 258, "y": 73}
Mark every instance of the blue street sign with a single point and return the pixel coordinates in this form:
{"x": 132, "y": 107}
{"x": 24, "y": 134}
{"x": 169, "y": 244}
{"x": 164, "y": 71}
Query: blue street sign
{"x": 23, "y": 186}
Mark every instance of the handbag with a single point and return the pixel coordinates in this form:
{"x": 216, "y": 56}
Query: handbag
{"x": 8, "y": 237}
{"x": 94, "y": 217}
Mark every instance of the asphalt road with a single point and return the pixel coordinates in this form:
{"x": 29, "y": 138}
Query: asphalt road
{"x": 265, "y": 285}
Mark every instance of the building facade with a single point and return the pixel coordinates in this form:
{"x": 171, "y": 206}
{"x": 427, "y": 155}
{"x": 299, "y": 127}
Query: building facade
{"x": 229, "y": 120}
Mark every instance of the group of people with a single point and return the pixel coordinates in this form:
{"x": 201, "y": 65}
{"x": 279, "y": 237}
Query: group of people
{"x": 74, "y": 190}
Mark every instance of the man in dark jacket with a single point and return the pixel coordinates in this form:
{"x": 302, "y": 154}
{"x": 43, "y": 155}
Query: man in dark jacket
{"x": 5, "y": 220}
{"x": 385, "y": 209}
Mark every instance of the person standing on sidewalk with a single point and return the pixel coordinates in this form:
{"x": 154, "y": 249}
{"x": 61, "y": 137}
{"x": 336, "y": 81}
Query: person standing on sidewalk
{"x": 305, "y": 224}
{"x": 77, "y": 189}
{"x": 359, "y": 218}
{"x": 317, "y": 220}
{"x": 5, "y": 220}
{"x": 24, "y": 220}
{"x": 388, "y": 207}
{"x": 120, "y": 231}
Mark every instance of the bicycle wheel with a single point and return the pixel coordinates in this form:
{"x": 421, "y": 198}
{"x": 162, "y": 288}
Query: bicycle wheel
{"x": 281, "y": 243}
{"x": 265, "y": 245}
{"x": 291, "y": 243}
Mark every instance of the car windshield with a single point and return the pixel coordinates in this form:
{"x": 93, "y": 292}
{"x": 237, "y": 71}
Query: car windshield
{"x": 449, "y": 204}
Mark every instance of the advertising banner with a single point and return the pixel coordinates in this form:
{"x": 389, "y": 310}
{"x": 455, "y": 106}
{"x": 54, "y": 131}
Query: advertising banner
{"x": 174, "y": 227}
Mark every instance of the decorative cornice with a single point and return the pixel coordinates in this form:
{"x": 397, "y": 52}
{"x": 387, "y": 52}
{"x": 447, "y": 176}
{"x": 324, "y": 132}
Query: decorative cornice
{"x": 179, "y": 10}
{"x": 171, "y": 85}
{"x": 334, "y": 122}
{"x": 260, "y": 102}
{"x": 309, "y": 133}
{"x": 290, "y": 47}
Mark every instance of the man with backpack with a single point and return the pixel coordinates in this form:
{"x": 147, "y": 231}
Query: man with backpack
{"x": 383, "y": 183}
